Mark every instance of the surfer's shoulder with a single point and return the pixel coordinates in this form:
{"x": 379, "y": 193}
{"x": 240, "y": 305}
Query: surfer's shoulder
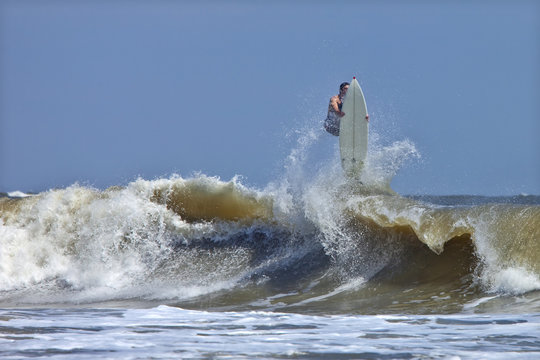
{"x": 335, "y": 100}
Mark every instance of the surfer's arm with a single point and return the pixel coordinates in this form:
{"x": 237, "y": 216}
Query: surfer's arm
{"x": 335, "y": 106}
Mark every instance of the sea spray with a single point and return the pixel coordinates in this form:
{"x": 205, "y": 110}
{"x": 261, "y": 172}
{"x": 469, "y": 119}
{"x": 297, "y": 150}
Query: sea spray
{"x": 384, "y": 162}
{"x": 320, "y": 198}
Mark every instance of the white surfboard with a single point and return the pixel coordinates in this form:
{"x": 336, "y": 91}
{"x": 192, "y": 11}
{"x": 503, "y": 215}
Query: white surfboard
{"x": 353, "y": 131}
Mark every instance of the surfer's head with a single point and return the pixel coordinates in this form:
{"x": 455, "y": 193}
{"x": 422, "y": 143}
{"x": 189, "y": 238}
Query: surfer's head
{"x": 343, "y": 88}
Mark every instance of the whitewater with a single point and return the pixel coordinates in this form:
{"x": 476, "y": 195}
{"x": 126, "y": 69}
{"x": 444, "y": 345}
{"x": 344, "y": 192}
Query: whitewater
{"x": 311, "y": 266}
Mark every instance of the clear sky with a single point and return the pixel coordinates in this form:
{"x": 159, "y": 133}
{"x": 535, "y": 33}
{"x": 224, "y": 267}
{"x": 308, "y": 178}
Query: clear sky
{"x": 101, "y": 92}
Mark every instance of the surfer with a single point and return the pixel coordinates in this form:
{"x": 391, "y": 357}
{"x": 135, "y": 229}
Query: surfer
{"x": 331, "y": 124}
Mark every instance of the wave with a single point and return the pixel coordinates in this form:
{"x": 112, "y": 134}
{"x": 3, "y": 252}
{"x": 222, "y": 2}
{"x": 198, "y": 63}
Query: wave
{"x": 311, "y": 241}
{"x": 180, "y": 239}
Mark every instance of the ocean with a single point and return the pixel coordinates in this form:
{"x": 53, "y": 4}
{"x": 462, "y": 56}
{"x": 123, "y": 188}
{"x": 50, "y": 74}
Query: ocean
{"x": 308, "y": 267}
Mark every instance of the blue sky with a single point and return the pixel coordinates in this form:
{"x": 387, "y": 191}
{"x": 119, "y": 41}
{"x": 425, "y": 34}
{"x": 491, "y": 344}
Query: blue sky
{"x": 100, "y": 92}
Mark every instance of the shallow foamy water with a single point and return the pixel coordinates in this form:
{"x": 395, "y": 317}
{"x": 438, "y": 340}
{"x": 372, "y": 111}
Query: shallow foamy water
{"x": 168, "y": 332}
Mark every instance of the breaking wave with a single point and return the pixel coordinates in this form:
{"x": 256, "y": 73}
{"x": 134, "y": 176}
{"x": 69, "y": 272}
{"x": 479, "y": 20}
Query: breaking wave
{"x": 302, "y": 243}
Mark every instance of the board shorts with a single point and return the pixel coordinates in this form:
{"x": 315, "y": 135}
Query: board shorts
{"x": 331, "y": 123}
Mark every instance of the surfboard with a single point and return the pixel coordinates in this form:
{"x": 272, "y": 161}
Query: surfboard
{"x": 353, "y": 131}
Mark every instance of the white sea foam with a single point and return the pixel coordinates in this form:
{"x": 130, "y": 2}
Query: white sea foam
{"x": 513, "y": 280}
{"x": 18, "y": 194}
{"x": 155, "y": 333}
